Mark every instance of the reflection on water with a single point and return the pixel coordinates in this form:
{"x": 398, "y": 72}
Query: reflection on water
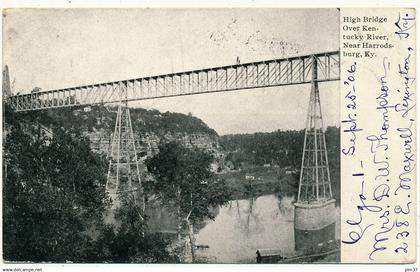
{"x": 246, "y": 225}
{"x": 243, "y": 226}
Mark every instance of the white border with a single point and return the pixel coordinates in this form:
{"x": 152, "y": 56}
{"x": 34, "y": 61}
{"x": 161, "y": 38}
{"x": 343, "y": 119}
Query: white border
{"x": 219, "y": 4}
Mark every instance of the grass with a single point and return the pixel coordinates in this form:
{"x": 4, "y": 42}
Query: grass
{"x": 267, "y": 180}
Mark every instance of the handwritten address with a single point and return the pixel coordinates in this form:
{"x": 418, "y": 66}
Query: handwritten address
{"x": 378, "y": 144}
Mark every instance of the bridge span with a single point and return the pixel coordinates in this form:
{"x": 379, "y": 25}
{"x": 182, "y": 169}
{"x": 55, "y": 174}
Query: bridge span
{"x": 261, "y": 74}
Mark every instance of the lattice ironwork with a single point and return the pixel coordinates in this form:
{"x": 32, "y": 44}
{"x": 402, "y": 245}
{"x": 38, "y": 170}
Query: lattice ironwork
{"x": 124, "y": 175}
{"x": 314, "y": 182}
{"x": 270, "y": 73}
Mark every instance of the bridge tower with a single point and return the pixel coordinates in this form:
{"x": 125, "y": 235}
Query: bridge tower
{"x": 124, "y": 175}
{"x": 315, "y": 206}
{"x": 7, "y": 92}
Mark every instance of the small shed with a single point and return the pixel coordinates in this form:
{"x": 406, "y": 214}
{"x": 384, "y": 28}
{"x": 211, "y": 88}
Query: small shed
{"x": 269, "y": 255}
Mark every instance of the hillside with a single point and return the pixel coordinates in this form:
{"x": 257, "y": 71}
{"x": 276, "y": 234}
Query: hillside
{"x": 150, "y": 127}
{"x": 282, "y": 148}
{"x": 274, "y": 159}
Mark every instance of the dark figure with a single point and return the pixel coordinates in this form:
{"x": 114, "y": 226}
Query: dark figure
{"x": 258, "y": 256}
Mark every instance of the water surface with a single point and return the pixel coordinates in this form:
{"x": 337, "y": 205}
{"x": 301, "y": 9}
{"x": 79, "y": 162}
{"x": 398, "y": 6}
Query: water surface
{"x": 243, "y": 226}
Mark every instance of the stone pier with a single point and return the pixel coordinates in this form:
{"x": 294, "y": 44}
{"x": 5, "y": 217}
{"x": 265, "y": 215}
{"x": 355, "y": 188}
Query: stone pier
{"x": 314, "y": 223}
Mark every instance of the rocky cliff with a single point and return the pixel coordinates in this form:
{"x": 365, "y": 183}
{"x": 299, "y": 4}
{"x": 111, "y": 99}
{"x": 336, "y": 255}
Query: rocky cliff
{"x": 150, "y": 128}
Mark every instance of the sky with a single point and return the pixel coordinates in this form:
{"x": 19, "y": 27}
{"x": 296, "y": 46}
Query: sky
{"x": 58, "y": 48}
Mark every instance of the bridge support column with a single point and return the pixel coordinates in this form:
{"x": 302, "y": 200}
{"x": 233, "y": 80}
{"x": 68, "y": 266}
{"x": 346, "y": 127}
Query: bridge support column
{"x": 315, "y": 208}
{"x": 124, "y": 176}
{"x": 314, "y": 223}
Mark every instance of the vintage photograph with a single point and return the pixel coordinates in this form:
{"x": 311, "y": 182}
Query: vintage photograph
{"x": 171, "y": 135}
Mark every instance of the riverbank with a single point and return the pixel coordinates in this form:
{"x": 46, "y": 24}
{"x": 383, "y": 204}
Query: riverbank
{"x": 257, "y": 181}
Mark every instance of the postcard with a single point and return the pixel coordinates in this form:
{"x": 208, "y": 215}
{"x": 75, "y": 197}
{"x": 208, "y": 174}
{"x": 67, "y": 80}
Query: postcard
{"x": 209, "y": 135}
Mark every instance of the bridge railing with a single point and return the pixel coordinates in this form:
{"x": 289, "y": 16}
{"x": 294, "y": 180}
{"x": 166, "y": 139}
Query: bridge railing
{"x": 270, "y": 73}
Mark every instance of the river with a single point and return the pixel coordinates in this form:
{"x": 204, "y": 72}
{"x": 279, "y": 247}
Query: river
{"x": 243, "y": 226}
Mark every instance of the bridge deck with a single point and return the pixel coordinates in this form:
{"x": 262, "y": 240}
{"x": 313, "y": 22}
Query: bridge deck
{"x": 270, "y": 73}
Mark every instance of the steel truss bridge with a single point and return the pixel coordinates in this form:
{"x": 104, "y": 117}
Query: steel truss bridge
{"x": 314, "y": 208}
{"x": 261, "y": 74}
{"x": 314, "y": 182}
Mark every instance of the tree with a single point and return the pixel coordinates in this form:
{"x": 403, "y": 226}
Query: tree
{"x": 53, "y": 196}
{"x": 184, "y": 182}
{"x": 54, "y": 201}
{"x": 128, "y": 242}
